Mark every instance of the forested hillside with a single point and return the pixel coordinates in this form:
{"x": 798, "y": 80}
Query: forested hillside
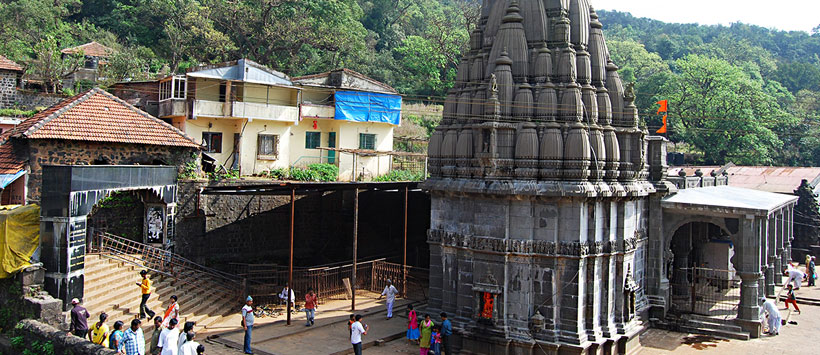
{"x": 740, "y": 93}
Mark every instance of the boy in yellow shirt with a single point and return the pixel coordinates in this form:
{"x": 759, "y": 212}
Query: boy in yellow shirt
{"x": 145, "y": 287}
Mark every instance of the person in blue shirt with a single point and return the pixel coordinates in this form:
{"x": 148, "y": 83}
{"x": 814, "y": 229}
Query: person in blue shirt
{"x": 133, "y": 341}
{"x": 446, "y": 332}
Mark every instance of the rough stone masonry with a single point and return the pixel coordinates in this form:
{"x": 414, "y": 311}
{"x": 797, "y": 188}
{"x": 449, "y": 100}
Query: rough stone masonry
{"x": 539, "y": 188}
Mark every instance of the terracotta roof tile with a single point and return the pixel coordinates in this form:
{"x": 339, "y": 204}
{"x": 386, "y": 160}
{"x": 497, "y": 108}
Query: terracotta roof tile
{"x": 98, "y": 116}
{"x": 8, "y": 64}
{"x": 9, "y": 161}
{"x": 91, "y": 49}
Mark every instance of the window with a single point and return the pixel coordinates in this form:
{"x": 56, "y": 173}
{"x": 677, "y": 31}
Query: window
{"x": 175, "y": 87}
{"x": 313, "y": 140}
{"x": 367, "y": 141}
{"x": 222, "y": 91}
{"x": 267, "y": 146}
{"x": 212, "y": 141}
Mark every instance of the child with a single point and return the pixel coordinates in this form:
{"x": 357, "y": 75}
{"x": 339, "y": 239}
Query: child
{"x": 435, "y": 340}
{"x": 413, "y": 332}
{"x": 791, "y": 299}
{"x": 350, "y": 325}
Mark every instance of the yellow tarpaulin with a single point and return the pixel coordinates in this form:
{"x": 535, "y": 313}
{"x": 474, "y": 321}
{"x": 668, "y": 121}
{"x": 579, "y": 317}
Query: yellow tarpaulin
{"x": 19, "y": 237}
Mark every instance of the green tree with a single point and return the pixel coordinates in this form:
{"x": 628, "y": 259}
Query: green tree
{"x": 722, "y": 112}
{"x": 51, "y": 66}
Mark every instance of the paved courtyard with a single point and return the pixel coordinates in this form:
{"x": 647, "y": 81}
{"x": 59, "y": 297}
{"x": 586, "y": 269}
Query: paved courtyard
{"x": 330, "y": 336}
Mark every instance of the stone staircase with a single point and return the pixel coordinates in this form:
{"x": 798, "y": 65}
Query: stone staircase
{"x": 110, "y": 286}
{"x": 716, "y": 327}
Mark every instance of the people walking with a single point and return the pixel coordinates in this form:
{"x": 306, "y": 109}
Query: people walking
{"x": 145, "y": 288}
{"x": 247, "y": 323}
{"x": 791, "y": 299}
{"x": 190, "y": 346}
{"x": 183, "y": 335}
{"x": 350, "y": 324}
{"x": 811, "y": 271}
{"x": 79, "y": 319}
{"x": 99, "y": 331}
{"x": 426, "y": 334}
{"x": 769, "y": 310}
{"x": 446, "y": 332}
{"x": 311, "y": 300}
{"x": 413, "y": 332}
{"x": 133, "y": 341}
{"x": 168, "y": 338}
{"x": 357, "y": 330}
{"x": 115, "y": 339}
{"x": 172, "y": 312}
{"x": 390, "y": 291}
{"x": 154, "y": 349}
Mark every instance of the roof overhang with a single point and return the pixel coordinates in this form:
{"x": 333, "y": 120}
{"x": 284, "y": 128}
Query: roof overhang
{"x": 727, "y": 200}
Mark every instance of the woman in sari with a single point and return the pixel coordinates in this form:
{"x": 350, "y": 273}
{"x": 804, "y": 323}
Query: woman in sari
{"x": 426, "y": 333}
{"x": 413, "y": 326}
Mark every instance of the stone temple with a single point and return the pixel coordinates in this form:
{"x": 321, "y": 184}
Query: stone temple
{"x": 554, "y": 226}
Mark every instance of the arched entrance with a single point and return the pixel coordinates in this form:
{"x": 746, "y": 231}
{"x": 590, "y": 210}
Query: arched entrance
{"x": 703, "y": 278}
{"x": 69, "y": 194}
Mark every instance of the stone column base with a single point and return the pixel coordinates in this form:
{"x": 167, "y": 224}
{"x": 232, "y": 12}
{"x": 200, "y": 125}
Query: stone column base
{"x": 752, "y": 327}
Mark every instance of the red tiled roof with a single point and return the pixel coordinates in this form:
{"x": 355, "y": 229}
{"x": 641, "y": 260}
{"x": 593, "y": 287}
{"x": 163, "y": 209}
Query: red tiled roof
{"x": 91, "y": 49}
{"x": 9, "y": 162}
{"x": 98, "y": 116}
{"x": 8, "y": 64}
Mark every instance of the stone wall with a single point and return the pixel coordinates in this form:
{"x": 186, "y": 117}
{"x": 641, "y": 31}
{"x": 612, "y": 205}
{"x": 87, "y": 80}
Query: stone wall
{"x": 65, "y": 152}
{"x": 8, "y": 88}
{"x": 35, "y": 332}
{"x": 220, "y": 229}
{"x": 22, "y": 296}
{"x": 29, "y": 100}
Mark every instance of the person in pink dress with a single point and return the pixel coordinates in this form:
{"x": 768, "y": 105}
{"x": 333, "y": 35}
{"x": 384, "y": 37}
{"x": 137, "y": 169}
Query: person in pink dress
{"x": 413, "y": 332}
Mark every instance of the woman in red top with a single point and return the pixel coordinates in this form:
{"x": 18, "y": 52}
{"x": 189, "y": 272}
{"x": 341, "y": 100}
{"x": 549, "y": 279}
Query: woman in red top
{"x": 311, "y": 299}
{"x": 413, "y": 332}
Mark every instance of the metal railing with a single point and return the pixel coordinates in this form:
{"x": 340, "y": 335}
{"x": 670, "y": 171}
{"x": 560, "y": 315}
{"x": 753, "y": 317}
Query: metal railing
{"x": 266, "y": 281}
{"x": 708, "y": 292}
{"x": 169, "y": 264}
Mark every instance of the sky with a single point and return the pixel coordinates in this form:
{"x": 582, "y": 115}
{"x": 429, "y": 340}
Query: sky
{"x": 788, "y": 15}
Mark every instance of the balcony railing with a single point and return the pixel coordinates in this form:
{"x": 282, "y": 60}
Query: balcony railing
{"x": 249, "y": 110}
{"x": 318, "y": 111}
{"x": 252, "y": 110}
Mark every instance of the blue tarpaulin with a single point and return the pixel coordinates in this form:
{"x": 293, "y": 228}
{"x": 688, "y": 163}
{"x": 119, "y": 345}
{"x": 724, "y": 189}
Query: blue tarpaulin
{"x": 368, "y": 107}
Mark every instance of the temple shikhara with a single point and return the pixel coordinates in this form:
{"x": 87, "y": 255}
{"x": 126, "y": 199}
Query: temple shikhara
{"x": 554, "y": 225}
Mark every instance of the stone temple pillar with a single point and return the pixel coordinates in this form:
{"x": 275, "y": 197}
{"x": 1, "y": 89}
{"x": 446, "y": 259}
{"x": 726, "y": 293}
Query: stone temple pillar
{"x": 748, "y": 263}
{"x": 771, "y": 271}
{"x": 778, "y": 260}
{"x": 786, "y": 256}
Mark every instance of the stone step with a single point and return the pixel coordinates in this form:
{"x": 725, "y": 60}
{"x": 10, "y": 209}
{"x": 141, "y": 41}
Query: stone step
{"x": 717, "y": 333}
{"x": 714, "y": 325}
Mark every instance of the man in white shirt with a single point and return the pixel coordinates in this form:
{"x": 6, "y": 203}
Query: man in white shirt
{"x": 795, "y": 277}
{"x": 284, "y": 296}
{"x": 247, "y": 323}
{"x": 390, "y": 291}
{"x": 356, "y": 332}
{"x": 189, "y": 348}
{"x": 169, "y": 338}
{"x": 768, "y": 307}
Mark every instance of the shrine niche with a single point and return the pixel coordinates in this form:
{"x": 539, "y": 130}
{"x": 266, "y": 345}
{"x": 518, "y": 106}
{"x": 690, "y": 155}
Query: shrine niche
{"x": 487, "y": 295}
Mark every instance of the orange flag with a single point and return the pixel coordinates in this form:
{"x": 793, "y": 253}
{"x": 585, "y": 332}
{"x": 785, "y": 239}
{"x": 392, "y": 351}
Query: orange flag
{"x": 664, "y": 108}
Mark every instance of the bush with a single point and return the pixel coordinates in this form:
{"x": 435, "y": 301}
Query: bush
{"x": 13, "y": 112}
{"x": 230, "y": 175}
{"x": 326, "y": 172}
{"x": 401, "y": 175}
{"x": 302, "y": 174}
{"x": 279, "y": 174}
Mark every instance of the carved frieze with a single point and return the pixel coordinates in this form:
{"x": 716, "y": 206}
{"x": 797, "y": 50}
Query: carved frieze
{"x": 535, "y": 247}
